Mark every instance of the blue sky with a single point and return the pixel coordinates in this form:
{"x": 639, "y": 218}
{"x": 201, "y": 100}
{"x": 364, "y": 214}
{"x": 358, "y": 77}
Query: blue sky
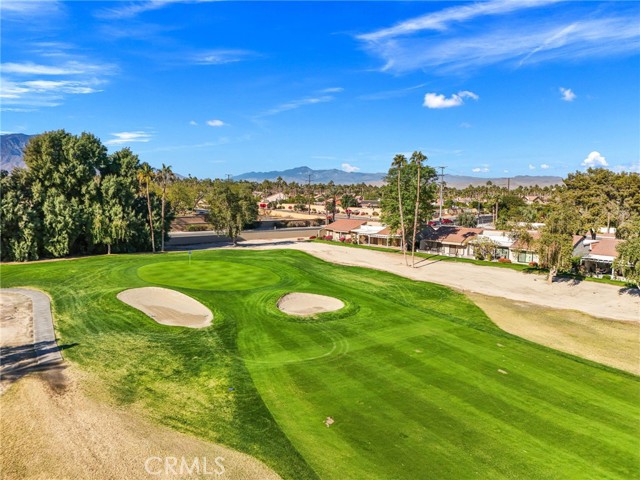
{"x": 495, "y": 88}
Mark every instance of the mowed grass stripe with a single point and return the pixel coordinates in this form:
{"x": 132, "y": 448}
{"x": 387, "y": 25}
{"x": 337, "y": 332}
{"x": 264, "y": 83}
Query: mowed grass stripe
{"x": 445, "y": 412}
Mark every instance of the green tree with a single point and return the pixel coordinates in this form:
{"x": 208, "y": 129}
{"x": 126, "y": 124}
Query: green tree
{"x": 232, "y": 206}
{"x": 628, "y": 261}
{"x": 165, "y": 177}
{"x": 400, "y": 193}
{"x": 555, "y": 246}
{"x": 347, "y": 201}
{"x": 467, "y": 219}
{"x": 417, "y": 159}
{"x": 145, "y": 176}
{"x": 484, "y": 248}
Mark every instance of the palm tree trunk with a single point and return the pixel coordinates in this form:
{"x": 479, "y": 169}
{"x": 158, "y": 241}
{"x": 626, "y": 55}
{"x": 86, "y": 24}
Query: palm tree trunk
{"x": 153, "y": 241}
{"x": 164, "y": 189}
{"x": 403, "y": 239}
{"x": 415, "y": 222}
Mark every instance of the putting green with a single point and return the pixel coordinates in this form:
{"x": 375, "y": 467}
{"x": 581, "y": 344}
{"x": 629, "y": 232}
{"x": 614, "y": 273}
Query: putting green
{"x": 207, "y": 275}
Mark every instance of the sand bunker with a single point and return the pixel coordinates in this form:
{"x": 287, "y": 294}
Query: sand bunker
{"x": 168, "y": 307}
{"x": 306, "y": 304}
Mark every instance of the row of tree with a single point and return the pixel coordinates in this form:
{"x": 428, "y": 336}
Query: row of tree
{"x": 75, "y": 198}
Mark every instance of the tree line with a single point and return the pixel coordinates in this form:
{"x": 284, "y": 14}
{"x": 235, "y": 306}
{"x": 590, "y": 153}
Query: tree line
{"x": 74, "y": 198}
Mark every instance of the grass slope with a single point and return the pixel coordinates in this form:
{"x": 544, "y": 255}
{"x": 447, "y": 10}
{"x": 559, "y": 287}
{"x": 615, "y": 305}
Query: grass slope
{"x": 411, "y": 372}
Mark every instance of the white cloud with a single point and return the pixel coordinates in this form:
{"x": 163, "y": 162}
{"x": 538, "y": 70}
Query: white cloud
{"x": 439, "y": 21}
{"x": 465, "y": 125}
{"x": 435, "y": 100}
{"x": 193, "y": 122}
{"x": 480, "y": 169}
{"x": 215, "y": 123}
{"x": 443, "y": 42}
{"x": 129, "y": 137}
{"x": 544, "y": 166}
{"x": 532, "y": 167}
{"x": 332, "y": 90}
{"x": 567, "y": 94}
{"x": 349, "y": 168}
{"x": 221, "y": 56}
{"x": 594, "y": 159}
{"x": 627, "y": 168}
{"x": 297, "y": 104}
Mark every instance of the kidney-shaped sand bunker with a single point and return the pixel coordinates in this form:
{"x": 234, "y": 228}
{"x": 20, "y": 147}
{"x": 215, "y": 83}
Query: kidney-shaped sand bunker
{"x": 307, "y": 304}
{"x": 168, "y": 307}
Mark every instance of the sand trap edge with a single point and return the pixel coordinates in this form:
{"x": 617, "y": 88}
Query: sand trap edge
{"x": 308, "y": 304}
{"x": 168, "y": 307}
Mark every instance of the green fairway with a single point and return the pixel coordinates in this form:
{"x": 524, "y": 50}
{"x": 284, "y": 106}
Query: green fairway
{"x": 420, "y": 383}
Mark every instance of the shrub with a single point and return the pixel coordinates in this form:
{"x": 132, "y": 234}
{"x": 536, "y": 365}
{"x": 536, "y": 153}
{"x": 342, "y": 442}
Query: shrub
{"x": 328, "y": 237}
{"x": 197, "y": 228}
{"x": 533, "y": 264}
{"x": 348, "y": 240}
{"x": 504, "y": 260}
{"x": 342, "y": 239}
{"x": 312, "y": 237}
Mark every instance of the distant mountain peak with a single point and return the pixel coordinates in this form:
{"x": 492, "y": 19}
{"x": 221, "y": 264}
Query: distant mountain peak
{"x": 12, "y": 147}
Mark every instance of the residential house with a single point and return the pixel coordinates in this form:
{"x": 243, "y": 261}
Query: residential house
{"x": 342, "y": 228}
{"x": 378, "y": 235}
{"x": 521, "y": 251}
{"x": 600, "y": 257}
{"x": 450, "y": 240}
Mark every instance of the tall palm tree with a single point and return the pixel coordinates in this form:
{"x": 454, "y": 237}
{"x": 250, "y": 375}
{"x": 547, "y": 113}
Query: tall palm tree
{"x": 165, "y": 176}
{"x": 417, "y": 158}
{"x": 145, "y": 175}
{"x": 400, "y": 161}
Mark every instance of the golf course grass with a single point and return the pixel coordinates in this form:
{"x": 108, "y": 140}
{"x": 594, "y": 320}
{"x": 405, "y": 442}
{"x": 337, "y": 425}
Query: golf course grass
{"x": 418, "y": 380}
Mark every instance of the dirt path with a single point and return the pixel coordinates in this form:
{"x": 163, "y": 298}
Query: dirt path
{"x": 51, "y": 429}
{"x": 62, "y": 433}
{"x": 596, "y": 299}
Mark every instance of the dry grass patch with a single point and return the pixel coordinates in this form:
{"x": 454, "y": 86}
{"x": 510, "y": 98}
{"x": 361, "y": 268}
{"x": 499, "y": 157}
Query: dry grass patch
{"x": 611, "y": 342}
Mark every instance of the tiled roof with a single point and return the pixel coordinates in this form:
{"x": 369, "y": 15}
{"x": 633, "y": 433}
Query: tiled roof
{"x": 386, "y": 231}
{"x": 605, "y": 246}
{"x": 344, "y": 225}
{"x": 451, "y": 235}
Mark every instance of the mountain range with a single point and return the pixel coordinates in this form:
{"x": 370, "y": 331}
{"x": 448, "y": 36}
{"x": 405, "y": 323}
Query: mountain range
{"x": 301, "y": 175}
{"x": 13, "y": 145}
{"x": 11, "y": 148}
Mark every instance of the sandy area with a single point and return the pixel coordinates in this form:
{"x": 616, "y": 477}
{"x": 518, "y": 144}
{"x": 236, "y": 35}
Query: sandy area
{"x": 610, "y": 342}
{"x": 307, "y": 304}
{"x": 17, "y": 356}
{"x": 596, "y": 299}
{"x": 168, "y": 307}
{"x": 64, "y": 433}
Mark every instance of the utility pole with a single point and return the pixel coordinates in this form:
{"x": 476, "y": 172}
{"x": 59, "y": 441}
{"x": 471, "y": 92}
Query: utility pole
{"x": 228, "y": 177}
{"x": 441, "y": 190}
{"x": 309, "y": 194}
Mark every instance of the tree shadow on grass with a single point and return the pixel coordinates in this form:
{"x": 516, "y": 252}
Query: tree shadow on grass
{"x": 21, "y": 360}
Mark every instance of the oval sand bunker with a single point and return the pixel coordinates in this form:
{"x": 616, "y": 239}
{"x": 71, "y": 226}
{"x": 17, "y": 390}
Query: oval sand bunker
{"x": 168, "y": 307}
{"x": 306, "y": 304}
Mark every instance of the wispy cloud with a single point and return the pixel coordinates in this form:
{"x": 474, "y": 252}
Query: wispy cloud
{"x": 48, "y": 83}
{"x": 545, "y": 166}
{"x": 193, "y": 122}
{"x": 349, "y": 168}
{"x": 129, "y": 137}
{"x": 465, "y": 125}
{"x": 295, "y": 104}
{"x": 532, "y": 167}
{"x": 435, "y": 100}
{"x": 215, "y": 123}
{"x": 221, "y": 56}
{"x": 567, "y": 94}
{"x": 389, "y": 94}
{"x": 480, "y": 170}
{"x": 450, "y": 41}
{"x": 595, "y": 159}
